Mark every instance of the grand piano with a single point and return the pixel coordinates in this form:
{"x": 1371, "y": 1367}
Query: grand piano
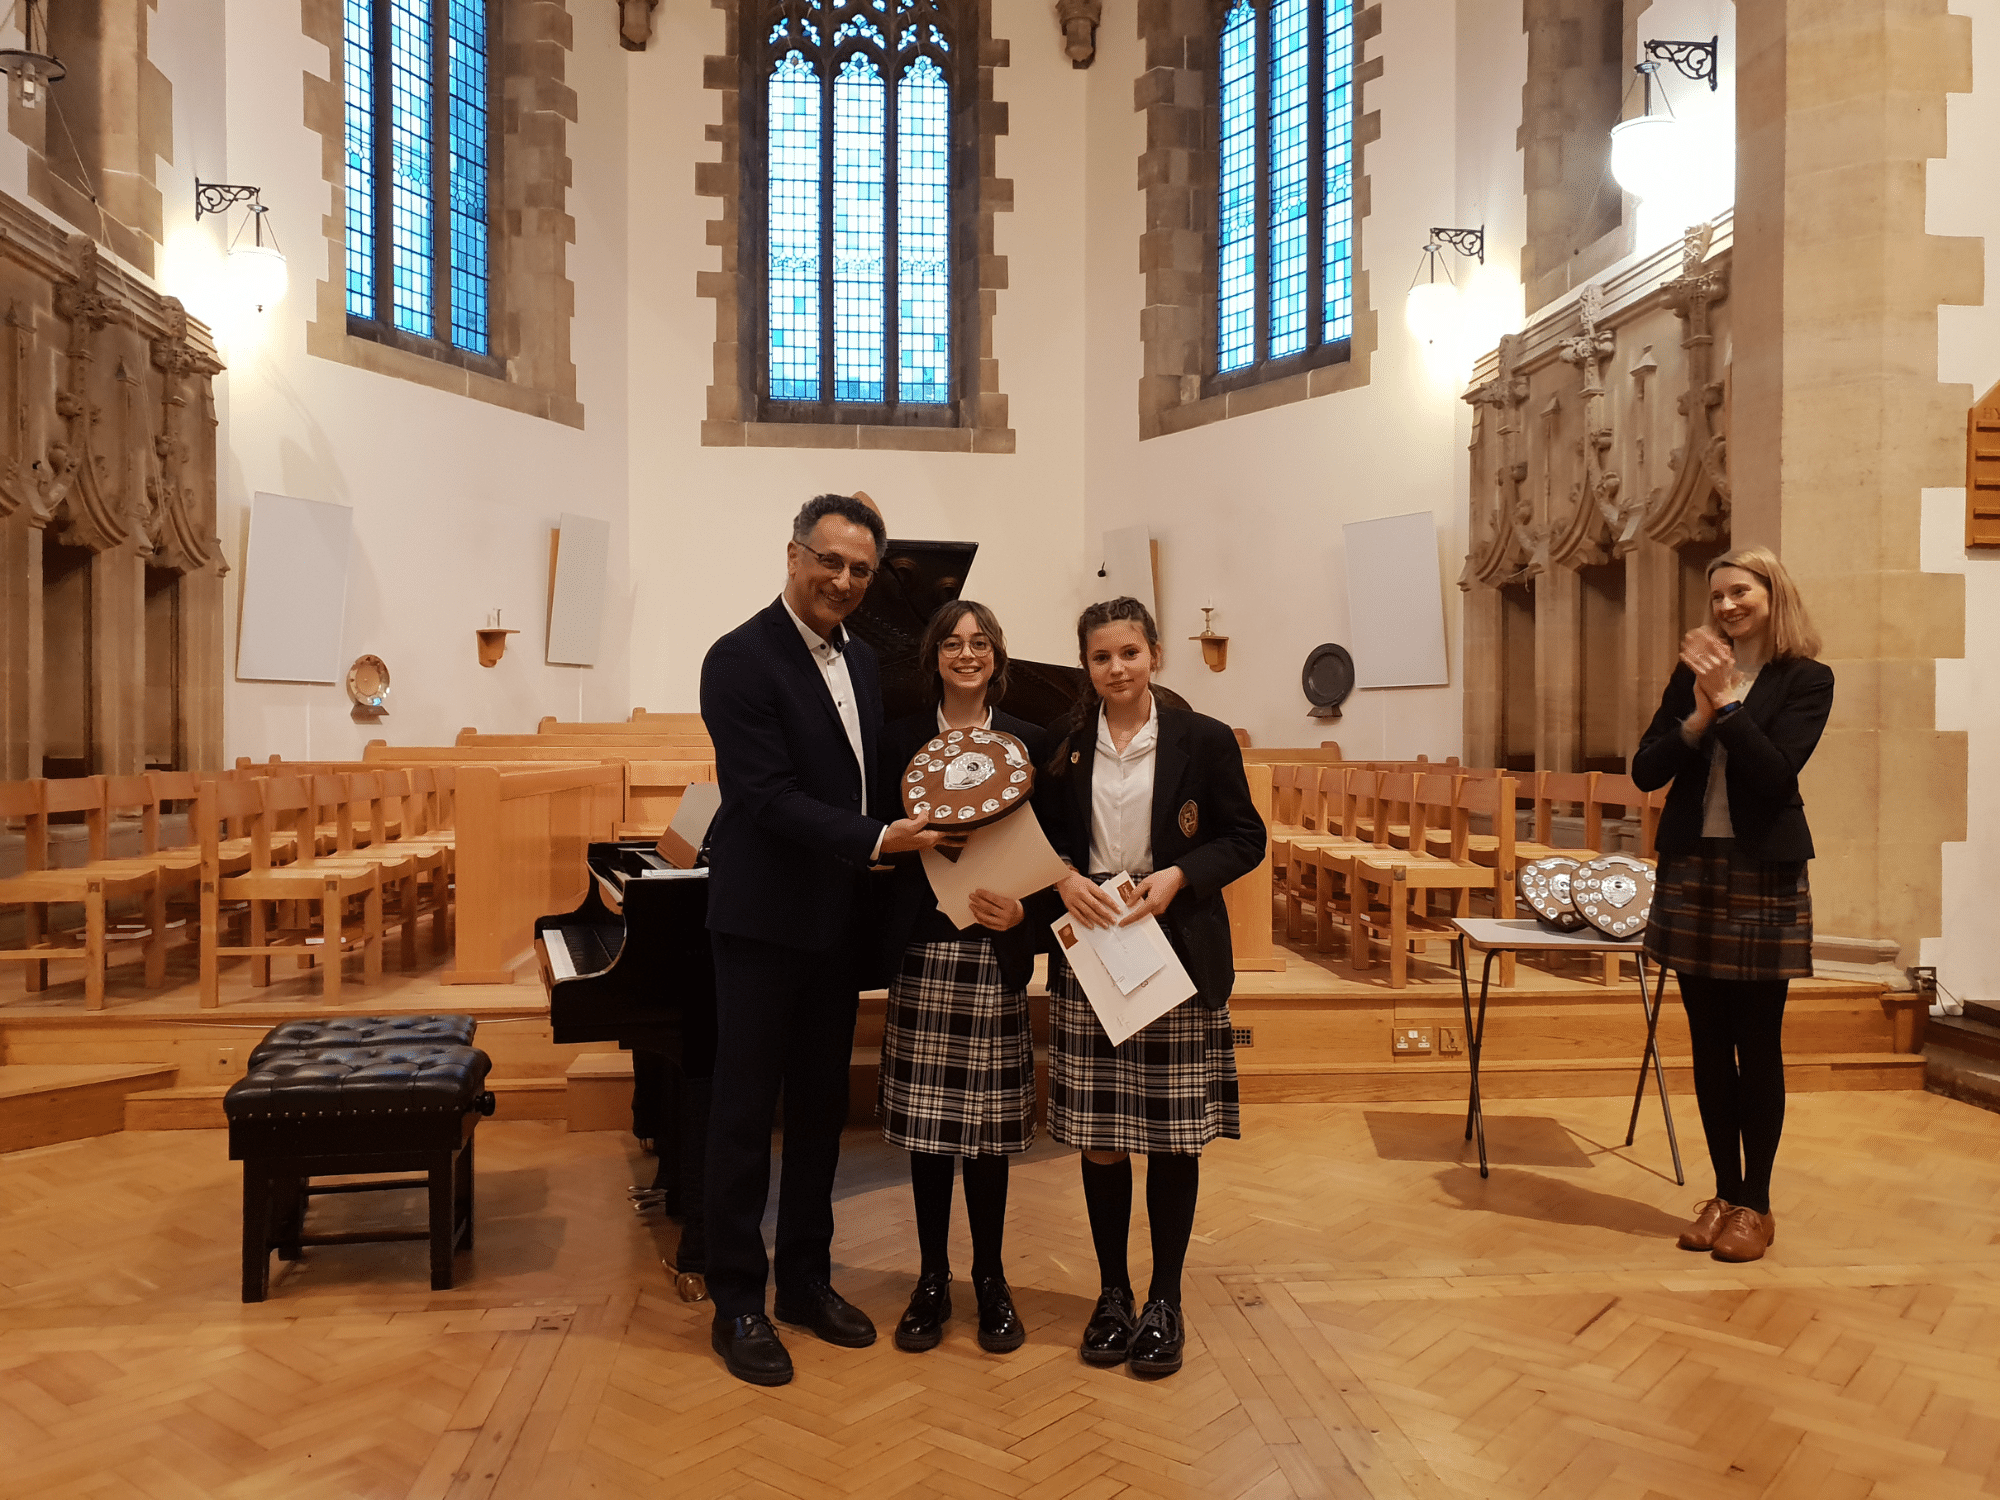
{"x": 632, "y": 964}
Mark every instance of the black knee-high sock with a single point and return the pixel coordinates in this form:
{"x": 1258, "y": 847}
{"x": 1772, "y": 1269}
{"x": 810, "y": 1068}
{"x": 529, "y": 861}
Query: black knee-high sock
{"x": 1760, "y": 1068}
{"x": 1107, "y": 1195}
{"x": 930, "y": 1186}
{"x": 986, "y": 1211}
{"x": 1171, "y": 1185}
{"x": 1716, "y": 1086}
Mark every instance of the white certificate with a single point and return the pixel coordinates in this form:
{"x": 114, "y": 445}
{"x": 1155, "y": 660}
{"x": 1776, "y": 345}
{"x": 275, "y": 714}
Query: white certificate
{"x": 1129, "y": 954}
{"x": 1123, "y": 1015}
{"x": 1012, "y": 857}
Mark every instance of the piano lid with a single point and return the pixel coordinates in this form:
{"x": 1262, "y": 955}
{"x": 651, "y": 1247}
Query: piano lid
{"x": 916, "y": 578}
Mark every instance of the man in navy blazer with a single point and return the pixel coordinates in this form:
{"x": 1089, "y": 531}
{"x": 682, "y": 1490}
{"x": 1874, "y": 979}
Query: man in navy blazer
{"x": 793, "y": 704}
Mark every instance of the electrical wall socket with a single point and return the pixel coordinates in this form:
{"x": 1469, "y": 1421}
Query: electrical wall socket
{"x": 204, "y": 1060}
{"x": 1411, "y": 1041}
{"x": 1448, "y": 1042}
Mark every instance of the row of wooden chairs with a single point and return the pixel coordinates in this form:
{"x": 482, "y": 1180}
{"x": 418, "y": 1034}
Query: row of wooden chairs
{"x": 1389, "y": 855}
{"x": 191, "y": 888}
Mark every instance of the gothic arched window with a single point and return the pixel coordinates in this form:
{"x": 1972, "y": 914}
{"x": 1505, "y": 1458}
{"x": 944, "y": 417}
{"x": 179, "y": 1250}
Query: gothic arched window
{"x": 1284, "y": 263}
{"x": 419, "y": 153}
{"x": 857, "y": 105}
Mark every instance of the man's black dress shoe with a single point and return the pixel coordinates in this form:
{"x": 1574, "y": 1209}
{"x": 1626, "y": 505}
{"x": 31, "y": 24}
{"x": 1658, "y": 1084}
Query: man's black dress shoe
{"x": 749, "y": 1345}
{"x": 1108, "y": 1335}
{"x": 923, "y": 1321}
{"x": 1157, "y": 1341}
{"x": 1000, "y": 1330}
{"x": 819, "y": 1307}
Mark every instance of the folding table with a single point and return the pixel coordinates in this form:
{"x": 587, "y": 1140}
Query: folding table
{"x": 1493, "y": 936}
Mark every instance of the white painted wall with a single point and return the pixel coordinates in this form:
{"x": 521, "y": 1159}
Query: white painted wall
{"x": 1967, "y": 953}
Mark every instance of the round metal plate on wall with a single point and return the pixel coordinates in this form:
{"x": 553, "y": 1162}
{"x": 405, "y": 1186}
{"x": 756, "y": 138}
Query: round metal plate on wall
{"x": 1546, "y": 887}
{"x": 1327, "y": 679}
{"x": 368, "y": 683}
{"x": 1615, "y": 894}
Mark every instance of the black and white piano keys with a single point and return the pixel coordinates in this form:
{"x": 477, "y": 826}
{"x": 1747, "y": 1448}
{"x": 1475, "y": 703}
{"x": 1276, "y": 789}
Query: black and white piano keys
{"x": 632, "y": 965}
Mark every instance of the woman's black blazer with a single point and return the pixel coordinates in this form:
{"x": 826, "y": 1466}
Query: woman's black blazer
{"x": 1768, "y": 739}
{"x": 910, "y": 902}
{"x": 1203, "y": 821}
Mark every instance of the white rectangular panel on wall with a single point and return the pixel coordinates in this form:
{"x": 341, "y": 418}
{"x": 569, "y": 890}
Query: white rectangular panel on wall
{"x": 576, "y": 594}
{"x": 1128, "y": 568}
{"x": 1395, "y": 602}
{"x": 294, "y": 590}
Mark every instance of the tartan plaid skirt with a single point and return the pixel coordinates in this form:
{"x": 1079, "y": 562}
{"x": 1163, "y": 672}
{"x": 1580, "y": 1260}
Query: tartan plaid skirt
{"x": 958, "y": 1061}
{"x": 1169, "y": 1089}
{"x": 1718, "y": 913}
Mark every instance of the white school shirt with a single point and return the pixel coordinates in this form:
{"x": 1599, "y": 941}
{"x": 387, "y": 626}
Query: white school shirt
{"x": 832, "y": 662}
{"x": 1121, "y": 800}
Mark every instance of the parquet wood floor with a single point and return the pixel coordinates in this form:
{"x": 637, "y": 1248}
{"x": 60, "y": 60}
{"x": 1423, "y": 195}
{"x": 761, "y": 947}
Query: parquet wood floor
{"x": 1368, "y": 1318}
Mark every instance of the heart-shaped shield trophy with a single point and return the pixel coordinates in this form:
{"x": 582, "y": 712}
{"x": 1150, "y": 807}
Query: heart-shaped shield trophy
{"x": 1546, "y": 887}
{"x": 1614, "y": 893}
{"x": 967, "y": 779}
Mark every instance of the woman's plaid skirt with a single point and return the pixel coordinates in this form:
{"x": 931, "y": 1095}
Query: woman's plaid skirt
{"x": 958, "y": 1061}
{"x": 1169, "y": 1089}
{"x": 1718, "y": 913}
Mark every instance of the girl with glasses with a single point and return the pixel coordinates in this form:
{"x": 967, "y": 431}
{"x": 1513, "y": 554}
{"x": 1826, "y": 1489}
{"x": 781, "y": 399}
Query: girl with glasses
{"x": 958, "y": 1066}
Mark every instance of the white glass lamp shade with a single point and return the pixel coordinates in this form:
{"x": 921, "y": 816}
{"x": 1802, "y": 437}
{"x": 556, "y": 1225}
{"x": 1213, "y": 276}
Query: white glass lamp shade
{"x": 1647, "y": 156}
{"x": 258, "y": 274}
{"x": 1432, "y": 311}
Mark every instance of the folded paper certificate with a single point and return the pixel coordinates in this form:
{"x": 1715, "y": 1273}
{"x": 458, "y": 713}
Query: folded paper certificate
{"x": 1010, "y": 858}
{"x": 1122, "y": 1014}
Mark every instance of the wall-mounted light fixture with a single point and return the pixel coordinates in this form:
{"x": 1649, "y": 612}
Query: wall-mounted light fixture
{"x": 256, "y": 269}
{"x": 1432, "y": 310}
{"x": 29, "y": 67}
{"x": 1648, "y": 157}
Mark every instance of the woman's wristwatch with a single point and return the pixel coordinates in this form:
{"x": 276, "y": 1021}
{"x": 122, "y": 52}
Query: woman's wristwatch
{"x": 1727, "y": 709}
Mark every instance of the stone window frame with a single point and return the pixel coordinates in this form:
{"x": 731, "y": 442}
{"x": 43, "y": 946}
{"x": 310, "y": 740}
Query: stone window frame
{"x": 532, "y": 299}
{"x": 734, "y": 415}
{"x": 1177, "y": 93}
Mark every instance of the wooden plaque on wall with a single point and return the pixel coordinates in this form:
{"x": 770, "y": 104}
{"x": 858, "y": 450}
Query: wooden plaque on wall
{"x": 1982, "y": 471}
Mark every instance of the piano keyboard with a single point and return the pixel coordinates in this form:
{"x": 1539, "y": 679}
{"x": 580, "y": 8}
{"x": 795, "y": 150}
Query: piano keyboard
{"x": 573, "y": 951}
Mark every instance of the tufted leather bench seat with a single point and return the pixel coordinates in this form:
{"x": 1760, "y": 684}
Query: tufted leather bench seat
{"x": 303, "y": 1112}
{"x": 367, "y": 1031}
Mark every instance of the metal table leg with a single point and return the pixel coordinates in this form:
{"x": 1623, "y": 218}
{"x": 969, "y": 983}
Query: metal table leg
{"x": 1475, "y": 1114}
{"x": 1652, "y": 1055}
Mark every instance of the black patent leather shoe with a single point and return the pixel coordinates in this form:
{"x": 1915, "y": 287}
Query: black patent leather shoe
{"x": 750, "y": 1347}
{"x": 1157, "y": 1341}
{"x": 1000, "y": 1330}
{"x": 1107, "y": 1337}
{"x": 831, "y": 1316}
{"x": 923, "y": 1321}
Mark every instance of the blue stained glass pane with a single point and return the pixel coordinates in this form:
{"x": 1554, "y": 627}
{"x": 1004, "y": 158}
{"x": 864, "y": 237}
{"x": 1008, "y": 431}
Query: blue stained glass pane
{"x": 411, "y": 233}
{"x": 1236, "y": 216}
{"x": 923, "y": 233}
{"x": 358, "y": 87}
{"x": 793, "y": 121}
{"x": 859, "y": 26}
{"x": 1338, "y": 227}
{"x": 1290, "y": 116}
{"x": 465, "y": 23}
{"x": 859, "y": 107}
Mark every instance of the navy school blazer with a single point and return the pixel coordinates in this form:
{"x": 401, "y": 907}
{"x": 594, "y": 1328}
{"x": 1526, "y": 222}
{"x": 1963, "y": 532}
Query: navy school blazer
{"x": 789, "y": 846}
{"x": 1768, "y": 740}
{"x": 910, "y": 900}
{"x": 1203, "y": 821}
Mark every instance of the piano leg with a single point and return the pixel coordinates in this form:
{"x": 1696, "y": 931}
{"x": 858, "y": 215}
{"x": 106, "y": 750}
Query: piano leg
{"x": 691, "y": 1258}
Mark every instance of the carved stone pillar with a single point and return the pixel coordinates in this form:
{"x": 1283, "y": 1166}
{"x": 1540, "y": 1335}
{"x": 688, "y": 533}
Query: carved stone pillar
{"x": 1483, "y": 676}
{"x": 1557, "y": 676}
{"x": 118, "y": 661}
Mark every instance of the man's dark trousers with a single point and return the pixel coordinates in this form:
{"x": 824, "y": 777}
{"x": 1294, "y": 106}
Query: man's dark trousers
{"x": 783, "y": 1017}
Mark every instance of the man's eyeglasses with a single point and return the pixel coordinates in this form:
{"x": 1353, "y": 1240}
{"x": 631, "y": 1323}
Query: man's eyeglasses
{"x": 977, "y": 646}
{"x": 834, "y": 563}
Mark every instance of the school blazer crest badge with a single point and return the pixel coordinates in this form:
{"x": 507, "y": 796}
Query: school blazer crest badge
{"x": 1190, "y": 818}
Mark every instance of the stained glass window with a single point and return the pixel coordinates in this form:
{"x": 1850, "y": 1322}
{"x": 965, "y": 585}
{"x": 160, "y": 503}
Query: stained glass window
{"x": 418, "y": 131}
{"x": 858, "y": 217}
{"x": 1284, "y": 210}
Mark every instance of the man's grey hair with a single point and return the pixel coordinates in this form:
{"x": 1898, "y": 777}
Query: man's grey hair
{"x": 847, "y": 508}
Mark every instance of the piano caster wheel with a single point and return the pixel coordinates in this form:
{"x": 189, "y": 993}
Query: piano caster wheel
{"x": 691, "y": 1286}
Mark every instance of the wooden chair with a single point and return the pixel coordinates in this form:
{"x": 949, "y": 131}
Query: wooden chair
{"x": 264, "y": 805}
{"x": 1405, "y": 880}
{"x": 1349, "y": 798}
{"x": 91, "y": 885}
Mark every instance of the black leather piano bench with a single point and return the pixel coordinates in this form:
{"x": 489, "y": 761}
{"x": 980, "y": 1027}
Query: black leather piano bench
{"x": 367, "y": 1031}
{"x": 306, "y": 1112}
